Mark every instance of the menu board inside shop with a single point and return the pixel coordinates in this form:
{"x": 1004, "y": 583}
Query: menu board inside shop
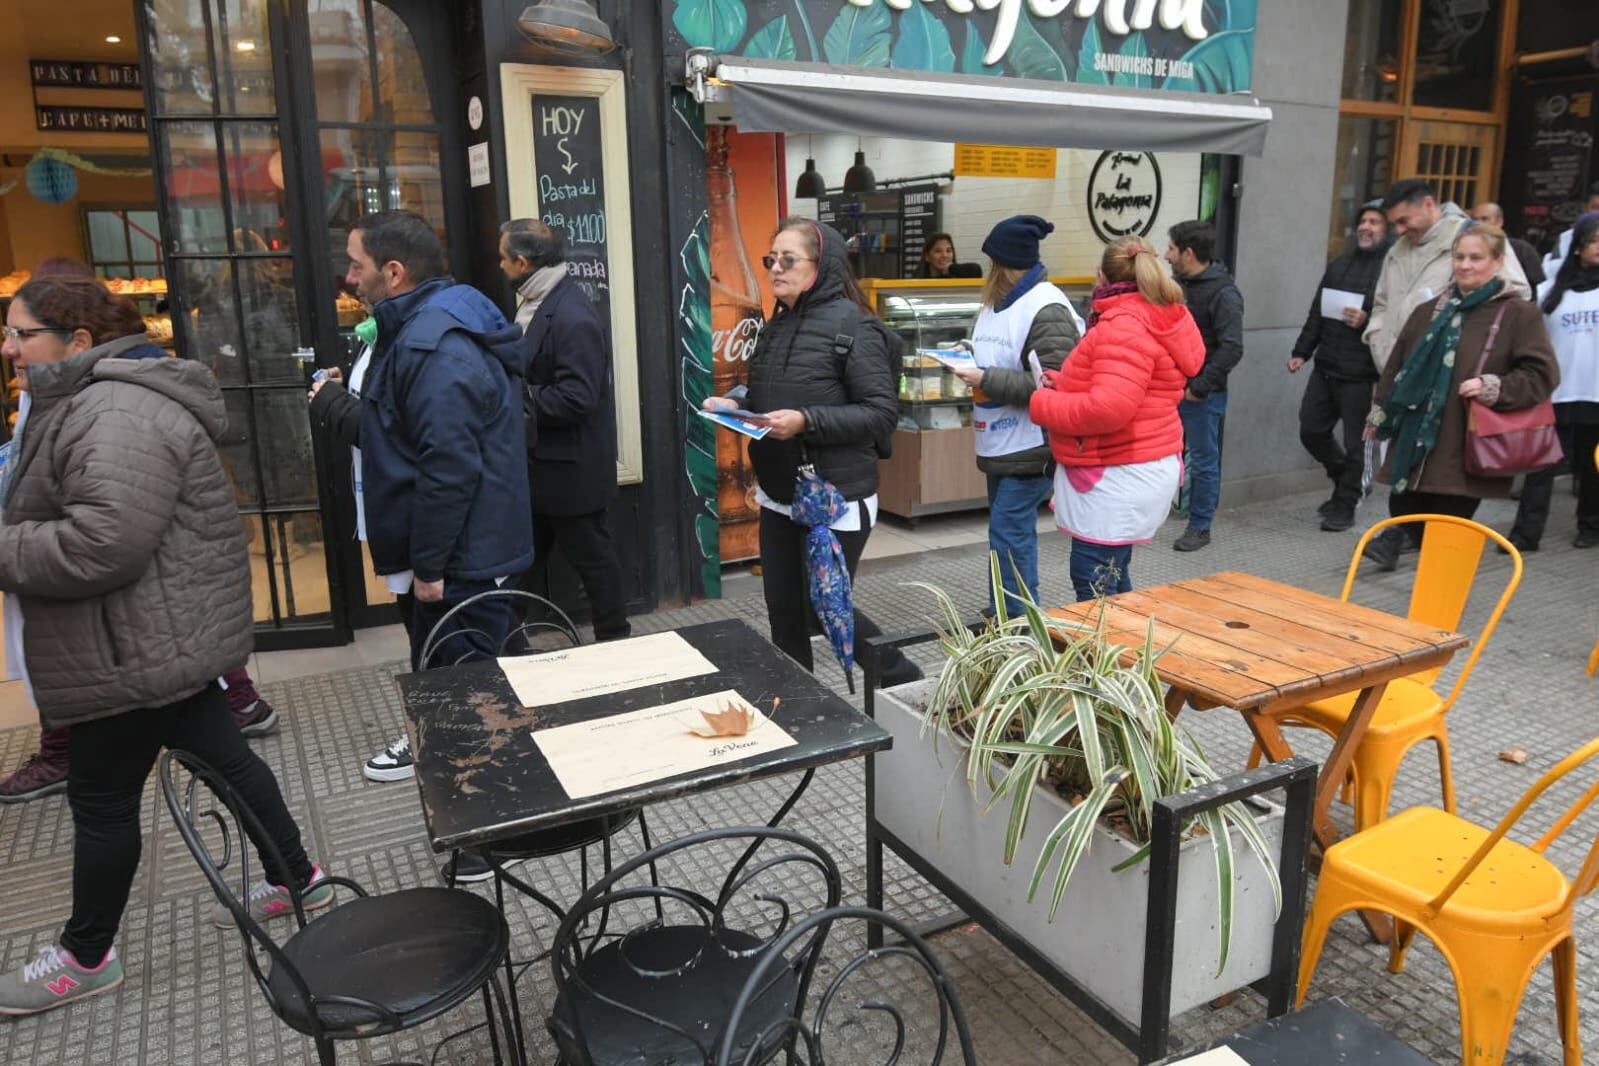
{"x": 1558, "y": 142}
{"x": 569, "y": 169}
{"x": 918, "y": 220}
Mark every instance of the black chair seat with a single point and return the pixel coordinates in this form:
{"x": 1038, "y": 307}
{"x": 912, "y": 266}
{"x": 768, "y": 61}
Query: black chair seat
{"x": 562, "y": 838}
{"x": 698, "y": 1001}
{"x": 418, "y": 952}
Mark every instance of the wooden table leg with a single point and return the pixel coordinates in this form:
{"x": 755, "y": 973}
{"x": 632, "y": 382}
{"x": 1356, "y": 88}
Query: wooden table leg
{"x": 1176, "y": 698}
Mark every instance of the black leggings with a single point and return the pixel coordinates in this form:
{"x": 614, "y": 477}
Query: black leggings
{"x": 787, "y": 586}
{"x": 110, "y": 760}
{"x": 1408, "y": 503}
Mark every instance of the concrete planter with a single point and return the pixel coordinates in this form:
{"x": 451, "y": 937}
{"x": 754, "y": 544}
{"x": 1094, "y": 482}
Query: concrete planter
{"x": 1097, "y": 937}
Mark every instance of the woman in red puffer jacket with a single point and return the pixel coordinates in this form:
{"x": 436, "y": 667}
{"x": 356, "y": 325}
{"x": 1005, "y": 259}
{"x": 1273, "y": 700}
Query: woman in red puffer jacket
{"x": 1111, "y": 413}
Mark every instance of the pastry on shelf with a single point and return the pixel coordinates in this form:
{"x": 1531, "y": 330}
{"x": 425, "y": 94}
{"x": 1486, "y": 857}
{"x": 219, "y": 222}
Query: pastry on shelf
{"x": 159, "y": 327}
{"x": 349, "y": 309}
{"x": 10, "y": 283}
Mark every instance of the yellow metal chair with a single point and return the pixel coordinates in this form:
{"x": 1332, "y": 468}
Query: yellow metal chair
{"x": 1494, "y": 908}
{"x": 1411, "y": 710}
{"x": 1593, "y": 656}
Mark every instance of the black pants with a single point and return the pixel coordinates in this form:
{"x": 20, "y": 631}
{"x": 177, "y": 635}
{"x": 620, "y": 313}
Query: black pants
{"x": 586, "y": 542}
{"x": 1403, "y": 503}
{"x": 1329, "y": 401}
{"x": 110, "y": 759}
{"x": 1537, "y": 493}
{"x": 478, "y": 632}
{"x": 788, "y": 597}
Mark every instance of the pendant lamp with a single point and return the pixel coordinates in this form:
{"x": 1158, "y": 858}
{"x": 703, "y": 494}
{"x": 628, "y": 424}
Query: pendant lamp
{"x": 810, "y": 185}
{"x": 566, "y": 27}
{"x": 859, "y": 178}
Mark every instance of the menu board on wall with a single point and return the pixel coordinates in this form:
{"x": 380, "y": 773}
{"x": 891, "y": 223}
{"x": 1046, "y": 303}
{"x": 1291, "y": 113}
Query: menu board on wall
{"x": 1557, "y": 151}
{"x": 569, "y": 165}
{"x": 918, "y": 220}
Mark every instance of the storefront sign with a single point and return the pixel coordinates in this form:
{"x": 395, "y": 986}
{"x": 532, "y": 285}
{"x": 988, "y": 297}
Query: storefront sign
{"x": 1000, "y": 161}
{"x": 918, "y": 220}
{"x": 1189, "y": 45}
{"x": 478, "y": 170}
{"x": 58, "y": 119}
{"x": 1123, "y": 194}
{"x": 81, "y": 74}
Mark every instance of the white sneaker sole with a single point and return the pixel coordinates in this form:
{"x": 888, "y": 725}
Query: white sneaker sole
{"x": 397, "y": 773}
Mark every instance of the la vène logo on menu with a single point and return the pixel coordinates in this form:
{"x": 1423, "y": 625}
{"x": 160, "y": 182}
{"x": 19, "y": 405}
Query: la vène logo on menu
{"x": 1187, "y": 15}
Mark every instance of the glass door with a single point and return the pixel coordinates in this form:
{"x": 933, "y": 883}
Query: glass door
{"x": 235, "y": 235}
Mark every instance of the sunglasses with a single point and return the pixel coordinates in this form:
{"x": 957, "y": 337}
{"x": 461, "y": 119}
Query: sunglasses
{"x": 771, "y": 262}
{"x": 12, "y": 333}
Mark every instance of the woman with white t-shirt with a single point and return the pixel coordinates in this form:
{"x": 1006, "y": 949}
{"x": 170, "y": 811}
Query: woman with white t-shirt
{"x": 1570, "y": 303}
{"x": 1023, "y": 316}
{"x": 822, "y": 377}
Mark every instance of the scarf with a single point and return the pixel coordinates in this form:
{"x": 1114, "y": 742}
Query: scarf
{"x": 1105, "y": 292}
{"x": 1034, "y": 275}
{"x": 1415, "y": 406}
{"x": 534, "y": 288}
{"x": 1584, "y": 279}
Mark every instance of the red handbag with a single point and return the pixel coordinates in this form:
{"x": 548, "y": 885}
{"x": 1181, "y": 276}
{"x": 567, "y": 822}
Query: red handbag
{"x": 1507, "y": 443}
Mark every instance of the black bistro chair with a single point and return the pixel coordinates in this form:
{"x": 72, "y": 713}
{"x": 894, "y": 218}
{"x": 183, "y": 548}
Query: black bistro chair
{"x": 544, "y": 627}
{"x": 867, "y": 1023}
{"x": 368, "y": 967}
{"x": 663, "y": 990}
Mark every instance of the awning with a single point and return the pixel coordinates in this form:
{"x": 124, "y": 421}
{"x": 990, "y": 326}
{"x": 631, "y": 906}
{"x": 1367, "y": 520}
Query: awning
{"x": 771, "y": 95}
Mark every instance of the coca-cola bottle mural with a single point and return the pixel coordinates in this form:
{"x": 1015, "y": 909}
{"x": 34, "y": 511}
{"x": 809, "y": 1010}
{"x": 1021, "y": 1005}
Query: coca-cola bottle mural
{"x": 736, "y": 319}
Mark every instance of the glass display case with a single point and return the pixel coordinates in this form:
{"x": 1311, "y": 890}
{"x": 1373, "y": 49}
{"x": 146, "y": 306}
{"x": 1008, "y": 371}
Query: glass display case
{"x": 933, "y": 467}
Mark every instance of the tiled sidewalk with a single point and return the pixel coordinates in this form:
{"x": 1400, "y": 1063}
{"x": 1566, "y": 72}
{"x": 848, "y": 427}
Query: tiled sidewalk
{"x": 188, "y": 998}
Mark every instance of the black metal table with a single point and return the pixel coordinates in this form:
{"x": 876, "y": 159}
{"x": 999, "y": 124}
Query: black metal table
{"x": 1327, "y": 1033}
{"x": 483, "y": 778}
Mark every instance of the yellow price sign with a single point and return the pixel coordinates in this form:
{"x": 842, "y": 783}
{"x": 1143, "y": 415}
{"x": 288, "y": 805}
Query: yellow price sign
{"x": 1003, "y": 161}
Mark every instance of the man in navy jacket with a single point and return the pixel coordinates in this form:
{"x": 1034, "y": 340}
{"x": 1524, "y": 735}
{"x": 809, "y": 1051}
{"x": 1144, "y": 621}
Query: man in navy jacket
{"x": 442, "y": 436}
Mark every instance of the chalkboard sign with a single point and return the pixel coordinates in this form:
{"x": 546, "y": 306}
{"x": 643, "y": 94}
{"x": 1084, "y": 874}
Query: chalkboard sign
{"x": 918, "y": 220}
{"x": 1557, "y": 134}
{"x": 569, "y": 165}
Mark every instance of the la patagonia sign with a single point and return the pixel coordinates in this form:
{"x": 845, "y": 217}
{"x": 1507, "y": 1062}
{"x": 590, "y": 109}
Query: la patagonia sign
{"x": 1203, "y": 46}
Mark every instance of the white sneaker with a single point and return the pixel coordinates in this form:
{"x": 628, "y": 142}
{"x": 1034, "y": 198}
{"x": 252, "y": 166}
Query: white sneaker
{"x": 393, "y": 763}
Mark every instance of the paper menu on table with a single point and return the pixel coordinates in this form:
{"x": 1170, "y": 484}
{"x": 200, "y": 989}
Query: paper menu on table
{"x": 600, "y": 669}
{"x": 1334, "y": 302}
{"x": 625, "y": 750}
{"x": 1222, "y": 1056}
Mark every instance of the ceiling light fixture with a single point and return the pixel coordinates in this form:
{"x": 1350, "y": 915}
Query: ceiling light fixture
{"x": 859, "y": 178}
{"x": 245, "y": 46}
{"x": 565, "y": 27}
{"x": 113, "y": 39}
{"x": 810, "y": 186}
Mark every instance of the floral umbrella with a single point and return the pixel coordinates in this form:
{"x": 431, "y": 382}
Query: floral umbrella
{"x": 818, "y": 504}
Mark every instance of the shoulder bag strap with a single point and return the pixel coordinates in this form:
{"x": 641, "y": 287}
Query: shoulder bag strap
{"x": 1493, "y": 334}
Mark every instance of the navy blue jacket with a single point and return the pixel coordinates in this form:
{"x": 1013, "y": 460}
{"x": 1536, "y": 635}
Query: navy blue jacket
{"x": 443, "y": 441}
{"x": 570, "y": 407}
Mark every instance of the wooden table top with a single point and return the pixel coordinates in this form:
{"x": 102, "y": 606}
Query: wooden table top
{"x": 1246, "y": 642}
{"x": 483, "y": 778}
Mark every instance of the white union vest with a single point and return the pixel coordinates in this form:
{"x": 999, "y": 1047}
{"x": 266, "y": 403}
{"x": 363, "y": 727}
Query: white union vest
{"x": 998, "y": 340}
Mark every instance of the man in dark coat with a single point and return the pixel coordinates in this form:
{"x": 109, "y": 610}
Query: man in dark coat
{"x": 1218, "y": 310}
{"x": 442, "y": 436}
{"x": 1531, "y": 262}
{"x": 1342, "y": 371}
{"x": 571, "y": 421}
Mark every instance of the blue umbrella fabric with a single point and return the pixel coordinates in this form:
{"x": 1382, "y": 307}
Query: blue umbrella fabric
{"x": 818, "y": 504}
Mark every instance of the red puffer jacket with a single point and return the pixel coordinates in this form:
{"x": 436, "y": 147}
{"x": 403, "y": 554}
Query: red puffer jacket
{"x": 1115, "y": 400}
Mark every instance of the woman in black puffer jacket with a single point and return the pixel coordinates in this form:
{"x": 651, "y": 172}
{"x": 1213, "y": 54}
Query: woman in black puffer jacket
{"x": 823, "y": 374}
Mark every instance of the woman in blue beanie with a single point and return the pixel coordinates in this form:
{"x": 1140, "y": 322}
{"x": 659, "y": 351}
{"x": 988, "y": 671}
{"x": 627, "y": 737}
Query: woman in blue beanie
{"x": 1023, "y": 314}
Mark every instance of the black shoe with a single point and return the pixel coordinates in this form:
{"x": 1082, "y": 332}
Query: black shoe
{"x": 1192, "y": 540}
{"x": 467, "y": 867}
{"x": 1339, "y": 517}
{"x": 257, "y": 720}
{"x": 1383, "y": 549}
{"x": 1586, "y": 538}
{"x": 1326, "y": 505}
{"x": 1519, "y": 542}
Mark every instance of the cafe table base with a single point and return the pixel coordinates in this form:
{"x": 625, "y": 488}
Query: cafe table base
{"x": 1149, "y": 1041}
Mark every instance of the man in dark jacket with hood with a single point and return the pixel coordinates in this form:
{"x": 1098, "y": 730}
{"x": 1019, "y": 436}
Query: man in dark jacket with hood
{"x": 1218, "y": 310}
{"x": 443, "y": 444}
{"x": 1343, "y": 373}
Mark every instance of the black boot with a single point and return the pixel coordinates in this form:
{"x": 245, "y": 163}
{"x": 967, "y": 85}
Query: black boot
{"x": 1383, "y": 549}
{"x": 1338, "y": 516}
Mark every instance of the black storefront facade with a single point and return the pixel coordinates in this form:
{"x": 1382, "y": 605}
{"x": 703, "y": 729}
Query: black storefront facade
{"x": 276, "y": 123}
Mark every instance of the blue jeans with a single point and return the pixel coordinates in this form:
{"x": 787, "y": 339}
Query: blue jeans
{"x": 1202, "y": 440}
{"x": 1100, "y": 569}
{"x": 1013, "y": 504}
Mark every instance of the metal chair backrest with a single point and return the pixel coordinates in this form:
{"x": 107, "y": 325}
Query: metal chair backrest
{"x": 809, "y": 1035}
{"x": 574, "y": 942}
{"x": 441, "y": 633}
{"x": 237, "y": 822}
{"x": 1587, "y": 876}
{"x": 1451, "y": 550}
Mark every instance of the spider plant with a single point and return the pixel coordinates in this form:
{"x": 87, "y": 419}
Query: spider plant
{"x": 1052, "y": 702}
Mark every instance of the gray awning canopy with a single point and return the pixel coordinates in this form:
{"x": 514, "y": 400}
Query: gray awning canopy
{"x": 809, "y": 98}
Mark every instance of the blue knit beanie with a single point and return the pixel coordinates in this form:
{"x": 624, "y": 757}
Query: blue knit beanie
{"x": 1014, "y": 242}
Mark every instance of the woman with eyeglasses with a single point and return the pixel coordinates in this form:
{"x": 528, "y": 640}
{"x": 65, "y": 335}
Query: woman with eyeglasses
{"x": 121, "y": 544}
{"x": 823, "y": 375}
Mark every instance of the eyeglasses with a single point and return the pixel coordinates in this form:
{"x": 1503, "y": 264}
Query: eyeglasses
{"x": 771, "y": 262}
{"x": 12, "y": 333}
